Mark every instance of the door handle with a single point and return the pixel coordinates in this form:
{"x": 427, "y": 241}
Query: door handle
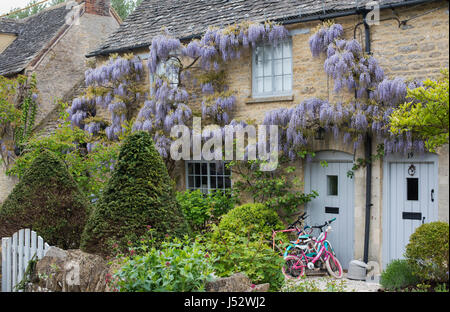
{"x": 432, "y": 195}
{"x": 423, "y": 220}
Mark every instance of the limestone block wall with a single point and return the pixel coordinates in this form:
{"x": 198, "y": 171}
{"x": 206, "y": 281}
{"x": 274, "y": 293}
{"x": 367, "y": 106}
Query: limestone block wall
{"x": 64, "y": 65}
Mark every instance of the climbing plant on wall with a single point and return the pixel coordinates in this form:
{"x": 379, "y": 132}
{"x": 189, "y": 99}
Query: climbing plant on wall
{"x": 375, "y": 95}
{"x": 18, "y": 107}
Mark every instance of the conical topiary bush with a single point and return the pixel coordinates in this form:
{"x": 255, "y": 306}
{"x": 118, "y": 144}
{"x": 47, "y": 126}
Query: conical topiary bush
{"x": 47, "y": 200}
{"x": 139, "y": 193}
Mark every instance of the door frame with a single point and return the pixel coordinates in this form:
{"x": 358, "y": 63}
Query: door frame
{"x": 398, "y": 158}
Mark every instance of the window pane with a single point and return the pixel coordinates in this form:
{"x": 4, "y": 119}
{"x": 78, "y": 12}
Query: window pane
{"x": 287, "y": 49}
{"x": 278, "y": 52}
{"x": 197, "y": 168}
{"x": 227, "y": 182}
{"x": 205, "y": 181}
{"x": 412, "y": 188}
{"x": 278, "y": 67}
{"x": 197, "y": 182}
{"x": 267, "y": 68}
{"x": 259, "y": 87}
{"x": 220, "y": 182}
{"x": 190, "y": 181}
{"x": 190, "y": 169}
{"x": 287, "y": 83}
{"x": 259, "y": 69}
{"x": 204, "y": 169}
{"x": 227, "y": 170}
{"x": 267, "y": 53}
{"x": 332, "y": 185}
{"x": 268, "y": 84}
{"x": 213, "y": 181}
{"x": 278, "y": 83}
{"x": 212, "y": 168}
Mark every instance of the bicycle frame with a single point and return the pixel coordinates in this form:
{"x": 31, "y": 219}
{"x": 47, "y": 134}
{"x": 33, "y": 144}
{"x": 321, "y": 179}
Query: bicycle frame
{"x": 323, "y": 251}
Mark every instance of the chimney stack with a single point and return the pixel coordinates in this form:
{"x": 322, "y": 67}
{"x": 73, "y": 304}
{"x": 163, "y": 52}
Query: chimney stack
{"x": 97, "y": 7}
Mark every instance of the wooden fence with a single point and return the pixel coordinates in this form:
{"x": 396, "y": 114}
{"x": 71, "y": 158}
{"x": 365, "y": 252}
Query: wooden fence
{"x": 17, "y": 251}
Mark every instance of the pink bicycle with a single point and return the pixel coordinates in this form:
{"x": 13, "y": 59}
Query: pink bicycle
{"x": 312, "y": 254}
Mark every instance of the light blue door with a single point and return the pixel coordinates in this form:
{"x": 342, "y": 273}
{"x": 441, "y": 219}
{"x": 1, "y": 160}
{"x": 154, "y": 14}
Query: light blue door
{"x": 410, "y": 199}
{"x": 335, "y": 200}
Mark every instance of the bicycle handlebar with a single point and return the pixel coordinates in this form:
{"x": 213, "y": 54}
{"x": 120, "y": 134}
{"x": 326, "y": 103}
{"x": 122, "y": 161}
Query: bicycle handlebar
{"x": 325, "y": 224}
{"x": 299, "y": 220}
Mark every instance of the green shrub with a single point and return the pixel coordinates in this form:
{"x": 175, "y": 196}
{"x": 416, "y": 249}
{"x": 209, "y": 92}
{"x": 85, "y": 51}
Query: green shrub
{"x": 196, "y": 208}
{"x": 139, "y": 193}
{"x": 179, "y": 265}
{"x": 47, "y": 200}
{"x": 251, "y": 218}
{"x": 239, "y": 253}
{"x": 428, "y": 253}
{"x": 199, "y": 208}
{"x": 398, "y": 275}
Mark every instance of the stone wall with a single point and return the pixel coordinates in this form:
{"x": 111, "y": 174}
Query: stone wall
{"x": 60, "y": 70}
{"x": 64, "y": 65}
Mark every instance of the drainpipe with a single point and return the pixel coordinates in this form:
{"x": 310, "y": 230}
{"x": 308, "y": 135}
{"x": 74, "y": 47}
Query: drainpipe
{"x": 368, "y": 153}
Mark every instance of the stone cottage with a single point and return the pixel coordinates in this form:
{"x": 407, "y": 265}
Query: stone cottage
{"x": 382, "y": 204}
{"x": 52, "y": 44}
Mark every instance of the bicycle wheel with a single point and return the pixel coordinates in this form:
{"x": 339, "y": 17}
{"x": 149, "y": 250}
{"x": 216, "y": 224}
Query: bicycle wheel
{"x": 334, "y": 267}
{"x": 330, "y": 248}
{"x": 293, "y": 267}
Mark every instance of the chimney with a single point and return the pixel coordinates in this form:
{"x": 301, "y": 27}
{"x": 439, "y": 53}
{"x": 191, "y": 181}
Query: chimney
{"x": 97, "y": 7}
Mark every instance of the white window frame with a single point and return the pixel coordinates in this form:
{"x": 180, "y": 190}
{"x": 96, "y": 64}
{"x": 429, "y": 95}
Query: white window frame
{"x": 161, "y": 71}
{"x": 208, "y": 175}
{"x": 255, "y": 92}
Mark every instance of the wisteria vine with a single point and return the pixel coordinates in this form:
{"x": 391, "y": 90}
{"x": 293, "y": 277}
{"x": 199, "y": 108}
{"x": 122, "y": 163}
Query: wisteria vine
{"x": 167, "y": 103}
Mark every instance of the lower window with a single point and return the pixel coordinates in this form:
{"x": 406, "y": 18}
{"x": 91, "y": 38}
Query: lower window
{"x": 207, "y": 176}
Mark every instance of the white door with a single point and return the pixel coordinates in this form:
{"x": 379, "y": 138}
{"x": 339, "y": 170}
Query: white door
{"x": 335, "y": 200}
{"x": 411, "y": 200}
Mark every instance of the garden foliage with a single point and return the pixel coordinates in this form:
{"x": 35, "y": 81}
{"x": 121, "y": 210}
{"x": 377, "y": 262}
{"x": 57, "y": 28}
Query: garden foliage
{"x": 427, "y": 251}
{"x": 398, "y": 275}
{"x": 253, "y": 219}
{"x": 139, "y": 193}
{"x": 178, "y": 265}
{"x": 246, "y": 253}
{"x": 200, "y": 209}
{"x": 47, "y": 200}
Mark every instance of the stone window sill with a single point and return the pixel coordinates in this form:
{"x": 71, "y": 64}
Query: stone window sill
{"x": 271, "y": 99}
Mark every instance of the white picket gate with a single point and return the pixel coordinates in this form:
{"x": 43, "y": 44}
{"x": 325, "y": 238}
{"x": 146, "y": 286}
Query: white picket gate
{"x": 17, "y": 251}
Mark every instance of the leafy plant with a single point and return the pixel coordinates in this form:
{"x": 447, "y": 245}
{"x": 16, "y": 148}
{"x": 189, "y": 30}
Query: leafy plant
{"x": 428, "y": 253}
{"x": 248, "y": 254}
{"x": 280, "y": 190}
{"x": 47, "y": 200}
{"x": 18, "y": 106}
{"x": 178, "y": 265}
{"x": 139, "y": 193}
{"x": 200, "y": 209}
{"x": 251, "y": 219}
{"x": 90, "y": 171}
{"x": 398, "y": 275}
{"x": 427, "y": 113}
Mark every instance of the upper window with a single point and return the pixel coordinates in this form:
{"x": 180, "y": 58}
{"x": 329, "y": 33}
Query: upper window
{"x": 207, "y": 176}
{"x": 272, "y": 69}
{"x": 168, "y": 69}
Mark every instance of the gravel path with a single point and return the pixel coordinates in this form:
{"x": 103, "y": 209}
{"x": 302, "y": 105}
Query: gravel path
{"x": 323, "y": 282}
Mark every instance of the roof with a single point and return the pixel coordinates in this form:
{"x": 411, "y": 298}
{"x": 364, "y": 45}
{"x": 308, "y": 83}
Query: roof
{"x": 184, "y": 19}
{"x": 33, "y": 34}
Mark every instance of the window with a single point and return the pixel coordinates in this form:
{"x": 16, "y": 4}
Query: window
{"x": 272, "y": 70}
{"x": 412, "y": 189}
{"x": 207, "y": 176}
{"x": 170, "y": 69}
{"x": 332, "y": 185}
